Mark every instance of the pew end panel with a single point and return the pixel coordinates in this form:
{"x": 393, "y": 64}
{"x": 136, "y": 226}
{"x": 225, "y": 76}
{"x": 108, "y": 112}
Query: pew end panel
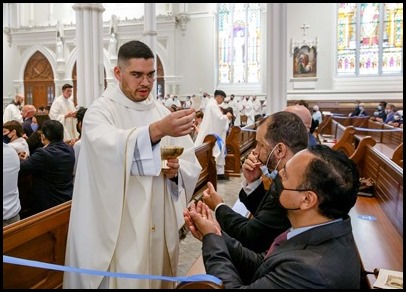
{"x": 345, "y": 143}
{"x": 204, "y": 154}
{"x": 41, "y": 237}
{"x": 233, "y": 157}
{"x": 359, "y": 153}
{"x": 398, "y": 155}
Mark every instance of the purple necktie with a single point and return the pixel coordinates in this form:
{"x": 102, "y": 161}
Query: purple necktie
{"x": 277, "y": 241}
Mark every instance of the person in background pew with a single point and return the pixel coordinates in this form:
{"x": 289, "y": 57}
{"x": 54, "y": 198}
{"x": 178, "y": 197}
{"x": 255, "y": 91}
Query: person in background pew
{"x": 362, "y": 112}
{"x": 317, "y": 118}
{"x": 34, "y": 140}
{"x": 397, "y": 119}
{"x": 304, "y": 114}
{"x": 126, "y": 210}
{"x": 11, "y": 200}
{"x": 317, "y": 187}
{"x": 379, "y": 113}
{"x": 278, "y": 137}
{"x": 390, "y": 113}
{"x": 356, "y": 110}
{"x": 51, "y": 168}
{"x": 13, "y": 134}
{"x": 28, "y": 112}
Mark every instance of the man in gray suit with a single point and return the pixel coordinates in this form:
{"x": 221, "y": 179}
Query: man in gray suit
{"x": 318, "y": 186}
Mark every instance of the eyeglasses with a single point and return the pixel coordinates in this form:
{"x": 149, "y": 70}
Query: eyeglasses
{"x": 140, "y": 76}
{"x": 294, "y": 190}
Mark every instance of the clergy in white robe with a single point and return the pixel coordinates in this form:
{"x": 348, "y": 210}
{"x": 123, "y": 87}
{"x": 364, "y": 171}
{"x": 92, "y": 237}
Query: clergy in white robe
{"x": 12, "y": 111}
{"x": 125, "y": 214}
{"x": 126, "y": 211}
{"x": 63, "y": 110}
{"x": 217, "y": 123}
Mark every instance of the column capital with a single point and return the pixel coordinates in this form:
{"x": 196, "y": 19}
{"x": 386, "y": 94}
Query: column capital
{"x": 88, "y": 6}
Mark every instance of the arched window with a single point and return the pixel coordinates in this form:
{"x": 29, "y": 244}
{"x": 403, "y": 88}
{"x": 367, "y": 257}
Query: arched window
{"x": 239, "y": 43}
{"x": 369, "y": 39}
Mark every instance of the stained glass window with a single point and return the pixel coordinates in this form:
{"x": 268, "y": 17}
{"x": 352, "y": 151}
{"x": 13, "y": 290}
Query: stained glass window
{"x": 369, "y": 38}
{"x": 239, "y": 43}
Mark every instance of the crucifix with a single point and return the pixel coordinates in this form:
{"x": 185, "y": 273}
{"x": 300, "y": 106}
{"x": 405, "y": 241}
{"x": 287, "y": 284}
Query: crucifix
{"x": 304, "y": 27}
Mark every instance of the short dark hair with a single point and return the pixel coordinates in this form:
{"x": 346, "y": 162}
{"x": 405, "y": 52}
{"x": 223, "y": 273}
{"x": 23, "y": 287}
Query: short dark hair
{"x": 334, "y": 178}
{"x": 134, "y": 49}
{"x": 41, "y": 118}
{"x": 53, "y": 130}
{"x": 65, "y": 86}
{"x": 287, "y": 128}
{"x": 220, "y": 92}
{"x": 80, "y": 114}
{"x": 14, "y": 125}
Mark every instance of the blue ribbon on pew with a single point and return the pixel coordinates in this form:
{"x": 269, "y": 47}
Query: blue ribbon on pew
{"x": 378, "y": 130}
{"x": 37, "y": 264}
{"x": 247, "y": 129}
{"x": 220, "y": 143}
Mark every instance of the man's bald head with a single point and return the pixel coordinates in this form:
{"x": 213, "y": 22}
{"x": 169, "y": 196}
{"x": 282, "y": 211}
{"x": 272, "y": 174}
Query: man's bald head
{"x": 28, "y": 111}
{"x": 19, "y": 98}
{"x": 302, "y": 112}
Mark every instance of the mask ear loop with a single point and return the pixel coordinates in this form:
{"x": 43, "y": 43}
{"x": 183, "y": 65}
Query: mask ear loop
{"x": 264, "y": 167}
{"x": 275, "y": 172}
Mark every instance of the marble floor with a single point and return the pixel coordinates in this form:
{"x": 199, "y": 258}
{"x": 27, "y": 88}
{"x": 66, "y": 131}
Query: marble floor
{"x": 190, "y": 247}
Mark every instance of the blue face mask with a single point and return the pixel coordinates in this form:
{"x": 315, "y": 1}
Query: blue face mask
{"x": 34, "y": 127}
{"x": 265, "y": 170}
{"x": 6, "y": 139}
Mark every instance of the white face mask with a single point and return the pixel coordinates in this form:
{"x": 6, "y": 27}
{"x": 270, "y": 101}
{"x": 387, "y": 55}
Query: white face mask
{"x": 265, "y": 169}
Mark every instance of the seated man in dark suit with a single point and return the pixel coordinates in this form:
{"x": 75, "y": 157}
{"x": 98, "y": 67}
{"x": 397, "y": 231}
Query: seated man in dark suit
{"x": 317, "y": 187}
{"x": 51, "y": 168}
{"x": 278, "y": 137}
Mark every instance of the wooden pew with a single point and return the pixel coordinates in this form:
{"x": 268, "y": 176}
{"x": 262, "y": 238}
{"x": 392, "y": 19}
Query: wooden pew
{"x": 388, "y": 142}
{"x": 42, "y": 237}
{"x": 204, "y": 154}
{"x": 239, "y": 142}
{"x": 233, "y": 157}
{"x": 341, "y": 138}
{"x": 378, "y": 221}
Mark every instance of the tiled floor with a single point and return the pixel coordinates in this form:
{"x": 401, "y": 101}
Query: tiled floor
{"x": 190, "y": 247}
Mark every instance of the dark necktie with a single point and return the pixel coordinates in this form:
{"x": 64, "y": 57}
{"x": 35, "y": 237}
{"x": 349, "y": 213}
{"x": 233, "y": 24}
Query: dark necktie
{"x": 277, "y": 241}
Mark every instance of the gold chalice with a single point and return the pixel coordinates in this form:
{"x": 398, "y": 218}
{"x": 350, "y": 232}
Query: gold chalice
{"x": 168, "y": 152}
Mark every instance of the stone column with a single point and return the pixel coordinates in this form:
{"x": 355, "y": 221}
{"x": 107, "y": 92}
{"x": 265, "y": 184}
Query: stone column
{"x": 150, "y": 33}
{"x": 89, "y": 47}
{"x": 276, "y": 56}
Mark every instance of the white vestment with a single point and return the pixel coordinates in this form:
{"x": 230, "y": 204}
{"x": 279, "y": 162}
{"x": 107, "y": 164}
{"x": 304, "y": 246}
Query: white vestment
{"x": 233, "y": 103}
{"x": 59, "y": 108}
{"x": 214, "y": 122}
{"x": 12, "y": 112}
{"x": 125, "y": 214}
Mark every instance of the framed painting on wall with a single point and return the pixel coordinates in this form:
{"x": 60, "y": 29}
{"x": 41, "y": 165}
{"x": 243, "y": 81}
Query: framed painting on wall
{"x": 305, "y": 61}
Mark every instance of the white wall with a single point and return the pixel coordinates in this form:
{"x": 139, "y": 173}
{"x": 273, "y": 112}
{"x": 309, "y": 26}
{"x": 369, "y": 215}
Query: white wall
{"x": 189, "y": 56}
